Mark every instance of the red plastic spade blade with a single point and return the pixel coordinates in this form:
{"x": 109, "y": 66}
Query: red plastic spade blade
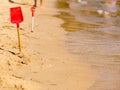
{"x": 16, "y": 15}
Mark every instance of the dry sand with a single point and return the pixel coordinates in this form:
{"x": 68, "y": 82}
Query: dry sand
{"x": 45, "y": 64}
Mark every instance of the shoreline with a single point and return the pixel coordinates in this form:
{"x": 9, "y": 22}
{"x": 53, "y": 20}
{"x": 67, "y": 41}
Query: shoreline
{"x": 46, "y": 64}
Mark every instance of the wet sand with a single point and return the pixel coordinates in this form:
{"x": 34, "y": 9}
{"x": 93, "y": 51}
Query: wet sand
{"x": 45, "y": 64}
{"x": 96, "y": 38}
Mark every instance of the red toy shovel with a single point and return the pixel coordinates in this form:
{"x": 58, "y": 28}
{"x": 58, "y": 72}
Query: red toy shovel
{"x": 16, "y": 18}
{"x": 33, "y": 11}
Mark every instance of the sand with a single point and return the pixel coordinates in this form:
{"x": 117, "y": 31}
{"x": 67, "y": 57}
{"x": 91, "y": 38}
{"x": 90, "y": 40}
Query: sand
{"x": 44, "y": 63}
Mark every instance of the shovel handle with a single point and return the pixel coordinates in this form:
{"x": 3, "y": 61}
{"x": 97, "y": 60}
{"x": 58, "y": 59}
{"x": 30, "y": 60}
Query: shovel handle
{"x": 19, "y": 43}
{"x": 32, "y": 24}
{"x": 33, "y": 11}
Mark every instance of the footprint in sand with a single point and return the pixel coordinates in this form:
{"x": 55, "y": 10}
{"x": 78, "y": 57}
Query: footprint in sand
{"x": 8, "y": 27}
{"x": 19, "y": 87}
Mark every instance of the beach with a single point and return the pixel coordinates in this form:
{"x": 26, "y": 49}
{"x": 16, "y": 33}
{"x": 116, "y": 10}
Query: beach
{"x": 94, "y": 34}
{"x": 44, "y": 64}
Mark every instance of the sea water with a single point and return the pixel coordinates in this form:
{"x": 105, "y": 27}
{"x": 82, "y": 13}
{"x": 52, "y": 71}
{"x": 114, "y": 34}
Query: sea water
{"x": 93, "y": 34}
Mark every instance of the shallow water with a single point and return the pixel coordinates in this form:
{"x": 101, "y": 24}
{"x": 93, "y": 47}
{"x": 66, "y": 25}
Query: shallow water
{"x": 93, "y": 33}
